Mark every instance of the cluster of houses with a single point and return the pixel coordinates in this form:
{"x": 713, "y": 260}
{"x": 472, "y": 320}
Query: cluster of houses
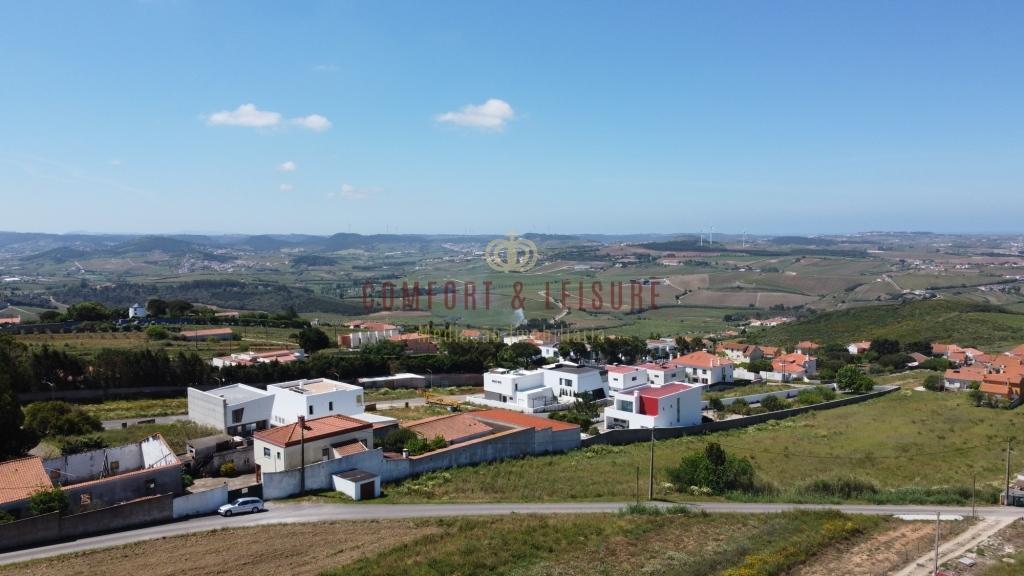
{"x": 995, "y": 374}
{"x": 365, "y": 333}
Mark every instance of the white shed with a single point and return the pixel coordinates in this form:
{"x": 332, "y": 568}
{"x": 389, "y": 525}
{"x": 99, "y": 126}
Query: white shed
{"x": 357, "y": 484}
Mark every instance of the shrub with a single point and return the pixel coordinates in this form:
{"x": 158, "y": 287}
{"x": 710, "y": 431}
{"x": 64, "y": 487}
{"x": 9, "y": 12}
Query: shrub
{"x": 714, "y": 469}
{"x": 739, "y": 406}
{"x": 78, "y": 444}
{"x": 228, "y": 470}
{"x": 851, "y": 379}
{"x": 187, "y": 480}
{"x": 774, "y": 403}
{"x": 46, "y": 500}
{"x": 935, "y": 383}
{"x": 716, "y": 404}
{"x": 396, "y": 440}
{"x": 58, "y": 418}
{"x": 5, "y": 517}
{"x": 419, "y": 445}
{"x": 155, "y": 332}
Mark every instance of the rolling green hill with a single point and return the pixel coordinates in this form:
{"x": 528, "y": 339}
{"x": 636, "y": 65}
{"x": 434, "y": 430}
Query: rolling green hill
{"x": 965, "y": 323}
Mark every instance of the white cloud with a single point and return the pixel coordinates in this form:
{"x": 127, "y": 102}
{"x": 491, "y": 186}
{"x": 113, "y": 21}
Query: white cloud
{"x": 245, "y": 115}
{"x": 286, "y": 188}
{"x": 288, "y": 166}
{"x": 491, "y": 115}
{"x": 350, "y": 192}
{"x": 314, "y": 122}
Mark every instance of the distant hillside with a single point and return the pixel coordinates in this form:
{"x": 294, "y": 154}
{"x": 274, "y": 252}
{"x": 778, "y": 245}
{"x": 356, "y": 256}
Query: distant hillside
{"x": 232, "y": 294}
{"x": 943, "y": 320}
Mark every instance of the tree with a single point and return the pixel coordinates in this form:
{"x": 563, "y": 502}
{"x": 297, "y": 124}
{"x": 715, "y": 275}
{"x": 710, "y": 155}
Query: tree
{"x": 46, "y": 500}
{"x": 88, "y": 312}
{"x": 396, "y": 440}
{"x": 919, "y": 346}
{"x": 884, "y": 346}
{"x": 155, "y": 332}
{"x": 757, "y": 366}
{"x": 178, "y": 307}
{"x": 49, "y": 316}
{"x": 156, "y": 307}
{"x": 312, "y": 339}
{"x": 518, "y": 355}
{"x": 15, "y": 441}
{"x": 715, "y": 469}
{"x": 850, "y": 379}
{"x": 58, "y": 418}
{"x": 935, "y": 383}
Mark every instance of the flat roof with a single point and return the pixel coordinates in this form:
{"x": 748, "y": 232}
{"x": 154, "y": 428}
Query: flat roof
{"x": 573, "y": 369}
{"x": 356, "y": 476}
{"x": 315, "y": 386}
{"x": 235, "y": 393}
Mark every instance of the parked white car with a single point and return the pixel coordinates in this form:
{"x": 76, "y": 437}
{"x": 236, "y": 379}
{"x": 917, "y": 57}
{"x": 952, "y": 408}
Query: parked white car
{"x": 242, "y": 506}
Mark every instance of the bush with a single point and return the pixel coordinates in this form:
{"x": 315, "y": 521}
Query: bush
{"x": 46, "y": 500}
{"x": 187, "y": 480}
{"x": 935, "y": 383}
{"x": 228, "y": 470}
{"x": 419, "y": 445}
{"x": 5, "y": 517}
{"x": 716, "y": 404}
{"x": 774, "y": 404}
{"x": 156, "y": 333}
{"x": 739, "y": 406}
{"x": 396, "y": 440}
{"x": 851, "y": 379}
{"x": 78, "y": 444}
{"x": 714, "y": 469}
{"x": 58, "y": 418}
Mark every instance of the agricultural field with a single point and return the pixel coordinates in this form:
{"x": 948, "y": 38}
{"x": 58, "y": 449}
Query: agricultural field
{"x": 923, "y": 432}
{"x": 677, "y": 543}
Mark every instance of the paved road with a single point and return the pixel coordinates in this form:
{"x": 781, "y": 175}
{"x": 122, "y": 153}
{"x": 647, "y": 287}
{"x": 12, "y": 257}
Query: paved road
{"x": 297, "y": 513}
{"x": 116, "y": 424}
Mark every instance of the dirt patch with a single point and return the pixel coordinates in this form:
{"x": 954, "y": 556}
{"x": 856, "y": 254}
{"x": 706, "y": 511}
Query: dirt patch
{"x": 888, "y": 550}
{"x": 293, "y": 549}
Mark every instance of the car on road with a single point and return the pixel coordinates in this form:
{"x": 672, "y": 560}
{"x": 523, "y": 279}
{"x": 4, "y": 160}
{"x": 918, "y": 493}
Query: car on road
{"x": 242, "y": 506}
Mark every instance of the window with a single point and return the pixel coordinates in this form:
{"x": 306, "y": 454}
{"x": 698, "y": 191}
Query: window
{"x": 278, "y": 454}
{"x": 266, "y": 452}
{"x": 330, "y": 406}
{"x": 310, "y": 410}
{"x": 236, "y": 415}
{"x": 323, "y": 452}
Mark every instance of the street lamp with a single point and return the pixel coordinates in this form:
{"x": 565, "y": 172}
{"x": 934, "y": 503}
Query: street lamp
{"x": 53, "y": 388}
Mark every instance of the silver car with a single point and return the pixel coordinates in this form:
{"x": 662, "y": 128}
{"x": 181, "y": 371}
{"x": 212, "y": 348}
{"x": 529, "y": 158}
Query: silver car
{"x": 242, "y": 506}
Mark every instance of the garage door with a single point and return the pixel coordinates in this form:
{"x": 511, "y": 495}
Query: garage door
{"x": 366, "y": 491}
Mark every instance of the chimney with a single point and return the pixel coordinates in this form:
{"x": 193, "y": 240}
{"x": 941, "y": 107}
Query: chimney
{"x": 302, "y": 421}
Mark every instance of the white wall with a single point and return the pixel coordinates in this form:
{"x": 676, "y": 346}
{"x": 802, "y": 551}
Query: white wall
{"x": 196, "y": 503}
{"x": 289, "y": 405}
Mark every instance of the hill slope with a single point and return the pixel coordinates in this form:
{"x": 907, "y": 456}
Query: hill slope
{"x": 965, "y": 323}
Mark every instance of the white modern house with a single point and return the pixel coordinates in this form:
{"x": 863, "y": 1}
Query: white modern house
{"x": 662, "y": 372}
{"x": 622, "y": 377}
{"x": 569, "y": 381}
{"x": 705, "y": 368}
{"x": 236, "y": 410}
{"x": 313, "y": 399}
{"x": 137, "y": 311}
{"x": 519, "y": 388}
{"x": 667, "y": 405}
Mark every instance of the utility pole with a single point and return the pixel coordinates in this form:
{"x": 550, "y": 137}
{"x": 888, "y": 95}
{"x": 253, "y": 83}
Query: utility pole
{"x": 974, "y": 487}
{"x": 302, "y": 455}
{"x": 650, "y": 490}
{"x": 638, "y": 485}
{"x": 1006, "y": 486}
{"x": 936, "y": 570}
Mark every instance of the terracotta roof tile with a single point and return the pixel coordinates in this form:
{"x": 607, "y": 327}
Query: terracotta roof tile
{"x": 21, "y": 477}
{"x": 315, "y": 429}
{"x": 524, "y": 420}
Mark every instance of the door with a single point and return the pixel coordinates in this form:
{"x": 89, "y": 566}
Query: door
{"x": 366, "y": 490}
{"x": 259, "y": 477}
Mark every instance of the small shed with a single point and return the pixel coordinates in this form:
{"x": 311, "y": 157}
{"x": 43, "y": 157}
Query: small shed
{"x": 357, "y": 484}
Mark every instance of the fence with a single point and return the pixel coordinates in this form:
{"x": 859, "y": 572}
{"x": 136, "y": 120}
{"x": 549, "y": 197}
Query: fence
{"x": 617, "y": 437}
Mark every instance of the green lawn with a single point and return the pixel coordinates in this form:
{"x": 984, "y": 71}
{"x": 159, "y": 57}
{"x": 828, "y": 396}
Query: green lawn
{"x": 746, "y": 390}
{"x": 905, "y": 439}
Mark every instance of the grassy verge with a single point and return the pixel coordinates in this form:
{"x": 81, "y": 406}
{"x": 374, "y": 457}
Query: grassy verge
{"x": 746, "y": 390}
{"x": 893, "y": 444}
{"x": 141, "y": 408}
{"x": 673, "y": 543}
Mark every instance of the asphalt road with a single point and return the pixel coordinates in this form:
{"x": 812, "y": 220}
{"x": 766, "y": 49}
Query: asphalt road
{"x": 297, "y": 513}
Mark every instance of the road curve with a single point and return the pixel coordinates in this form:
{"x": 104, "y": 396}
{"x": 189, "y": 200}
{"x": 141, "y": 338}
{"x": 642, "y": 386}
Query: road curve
{"x": 280, "y": 513}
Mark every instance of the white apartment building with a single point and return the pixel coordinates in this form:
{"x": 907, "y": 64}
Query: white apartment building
{"x": 569, "y": 381}
{"x": 236, "y": 410}
{"x": 520, "y": 388}
{"x": 663, "y": 373}
{"x": 623, "y": 377}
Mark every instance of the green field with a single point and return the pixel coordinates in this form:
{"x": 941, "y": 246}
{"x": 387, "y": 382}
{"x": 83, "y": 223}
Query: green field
{"x": 139, "y": 408}
{"x": 942, "y": 320}
{"x": 905, "y": 439}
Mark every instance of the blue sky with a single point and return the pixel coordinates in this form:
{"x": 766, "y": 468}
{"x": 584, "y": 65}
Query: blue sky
{"x": 765, "y": 117}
